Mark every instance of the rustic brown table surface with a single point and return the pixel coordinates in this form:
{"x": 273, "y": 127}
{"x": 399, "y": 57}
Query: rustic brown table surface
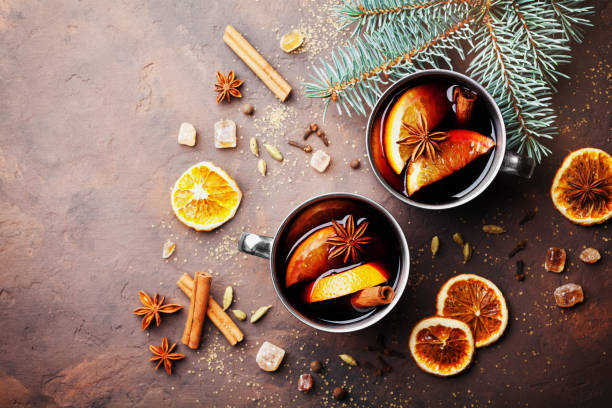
{"x": 91, "y": 97}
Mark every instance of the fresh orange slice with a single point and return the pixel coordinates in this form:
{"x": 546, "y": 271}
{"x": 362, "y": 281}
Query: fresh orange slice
{"x": 428, "y": 100}
{"x": 582, "y": 187}
{"x": 462, "y": 147}
{"x": 205, "y": 197}
{"x": 477, "y": 302}
{"x": 291, "y": 41}
{"x": 442, "y": 346}
{"x": 347, "y": 282}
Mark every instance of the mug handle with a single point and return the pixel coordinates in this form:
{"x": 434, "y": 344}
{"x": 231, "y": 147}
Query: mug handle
{"x": 518, "y": 165}
{"x": 254, "y": 244}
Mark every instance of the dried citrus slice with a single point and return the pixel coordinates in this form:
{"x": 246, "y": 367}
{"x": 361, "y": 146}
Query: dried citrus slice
{"x": 582, "y": 187}
{"x": 442, "y": 346}
{"x": 291, "y": 41}
{"x": 461, "y": 147}
{"x": 205, "y": 197}
{"x": 347, "y": 282}
{"x": 428, "y": 100}
{"x": 477, "y": 302}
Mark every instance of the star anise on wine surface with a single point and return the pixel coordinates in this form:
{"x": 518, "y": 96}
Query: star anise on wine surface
{"x": 227, "y": 86}
{"x": 153, "y": 307}
{"x": 421, "y": 140}
{"x": 588, "y": 186}
{"x": 348, "y": 240}
{"x": 165, "y": 355}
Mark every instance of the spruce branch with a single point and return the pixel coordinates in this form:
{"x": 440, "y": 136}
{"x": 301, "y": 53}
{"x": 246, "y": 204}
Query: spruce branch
{"x": 572, "y": 17}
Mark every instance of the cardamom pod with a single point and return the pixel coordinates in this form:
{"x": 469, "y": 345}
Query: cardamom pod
{"x": 458, "y": 238}
{"x": 348, "y": 359}
{"x": 228, "y": 296}
{"x": 274, "y": 152}
{"x": 261, "y": 166}
{"x": 467, "y": 252}
{"x": 435, "y": 245}
{"x": 239, "y": 314}
{"x": 493, "y": 229}
{"x": 259, "y": 313}
{"x": 254, "y": 147}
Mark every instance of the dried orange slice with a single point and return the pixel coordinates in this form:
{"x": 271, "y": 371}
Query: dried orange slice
{"x": 477, "y": 302}
{"x": 582, "y": 187}
{"x": 291, "y": 41}
{"x": 205, "y": 197}
{"x": 442, "y": 346}
{"x": 347, "y": 282}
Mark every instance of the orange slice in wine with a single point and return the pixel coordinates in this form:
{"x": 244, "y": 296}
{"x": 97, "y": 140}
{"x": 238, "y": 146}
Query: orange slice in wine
{"x": 477, "y": 302}
{"x": 461, "y": 148}
{"x": 347, "y": 282}
{"x": 310, "y": 258}
{"x": 442, "y": 346}
{"x": 428, "y": 100}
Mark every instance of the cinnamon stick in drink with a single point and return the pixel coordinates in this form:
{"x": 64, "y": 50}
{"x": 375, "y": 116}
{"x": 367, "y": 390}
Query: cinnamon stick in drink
{"x": 465, "y": 100}
{"x": 215, "y": 313}
{"x": 197, "y": 310}
{"x": 374, "y": 296}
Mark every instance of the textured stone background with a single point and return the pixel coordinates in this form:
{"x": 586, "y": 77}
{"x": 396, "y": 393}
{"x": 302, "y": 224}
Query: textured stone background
{"x": 91, "y": 96}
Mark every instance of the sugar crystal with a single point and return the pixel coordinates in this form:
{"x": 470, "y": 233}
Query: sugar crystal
{"x": 555, "y": 260}
{"x": 320, "y": 160}
{"x": 568, "y": 295}
{"x": 225, "y": 134}
{"x": 269, "y": 356}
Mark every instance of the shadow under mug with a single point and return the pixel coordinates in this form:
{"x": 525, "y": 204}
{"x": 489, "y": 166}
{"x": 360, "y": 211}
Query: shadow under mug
{"x": 312, "y": 213}
{"x": 502, "y": 160}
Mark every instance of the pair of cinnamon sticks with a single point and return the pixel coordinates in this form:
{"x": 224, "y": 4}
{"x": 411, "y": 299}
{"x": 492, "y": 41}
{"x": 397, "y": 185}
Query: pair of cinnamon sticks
{"x": 201, "y": 305}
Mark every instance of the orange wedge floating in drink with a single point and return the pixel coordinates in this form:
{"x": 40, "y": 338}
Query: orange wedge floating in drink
{"x": 347, "y": 282}
{"x": 442, "y": 346}
{"x": 477, "y": 302}
{"x": 310, "y": 258}
{"x": 462, "y": 147}
{"x": 428, "y": 100}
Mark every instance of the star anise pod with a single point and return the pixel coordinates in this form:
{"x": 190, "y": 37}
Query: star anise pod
{"x": 153, "y": 307}
{"x": 347, "y": 240}
{"x": 227, "y": 86}
{"x": 165, "y": 355}
{"x": 421, "y": 140}
{"x": 588, "y": 186}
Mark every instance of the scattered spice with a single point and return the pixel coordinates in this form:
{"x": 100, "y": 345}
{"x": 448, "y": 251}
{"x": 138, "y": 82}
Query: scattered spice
{"x": 355, "y": 163}
{"x": 153, "y": 307}
{"x": 307, "y": 148}
{"x": 348, "y": 359}
{"x": 517, "y": 248}
{"x": 239, "y": 314}
{"x": 467, "y": 252}
{"x": 493, "y": 229}
{"x": 305, "y": 382}
{"x": 315, "y": 366}
{"x": 458, "y": 239}
{"x": 347, "y": 240}
{"x": 310, "y": 129}
{"x": 274, "y": 152}
{"x": 422, "y": 141}
{"x": 313, "y": 127}
{"x": 590, "y": 255}
{"x": 168, "y": 250}
{"x": 227, "y": 86}
{"x": 165, "y": 355}
{"x": 529, "y": 215}
{"x": 228, "y": 297}
{"x": 520, "y": 275}
{"x": 435, "y": 246}
{"x": 248, "y": 109}
{"x": 259, "y": 313}
{"x": 291, "y": 41}
{"x": 254, "y": 146}
{"x": 321, "y": 134}
{"x": 262, "y": 167}
{"x": 339, "y": 393}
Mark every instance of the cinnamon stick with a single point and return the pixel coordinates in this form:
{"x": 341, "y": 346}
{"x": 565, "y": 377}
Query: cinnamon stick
{"x": 197, "y": 310}
{"x": 257, "y": 63}
{"x": 465, "y": 100}
{"x": 374, "y": 296}
{"x": 214, "y": 312}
